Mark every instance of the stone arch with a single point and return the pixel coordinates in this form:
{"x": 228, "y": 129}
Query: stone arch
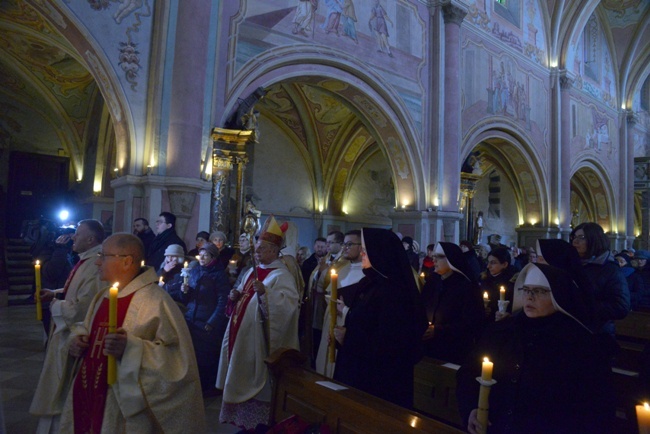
{"x": 510, "y": 151}
{"x": 101, "y": 69}
{"x": 592, "y": 195}
{"x": 364, "y": 94}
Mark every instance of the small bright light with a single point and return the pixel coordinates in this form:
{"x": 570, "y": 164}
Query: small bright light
{"x": 533, "y": 222}
{"x": 63, "y": 215}
{"x": 403, "y": 206}
{"x": 557, "y": 221}
{"x": 554, "y": 63}
{"x": 623, "y": 106}
{"x": 344, "y": 209}
{"x": 436, "y": 201}
{"x": 116, "y": 170}
{"x": 638, "y": 234}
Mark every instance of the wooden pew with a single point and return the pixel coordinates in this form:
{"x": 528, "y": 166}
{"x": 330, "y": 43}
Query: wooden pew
{"x": 348, "y": 411}
{"x": 435, "y": 391}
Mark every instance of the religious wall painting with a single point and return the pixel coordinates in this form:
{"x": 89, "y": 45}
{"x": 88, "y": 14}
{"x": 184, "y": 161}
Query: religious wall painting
{"x": 277, "y": 104}
{"x": 591, "y": 131}
{"x": 397, "y": 157}
{"x": 134, "y": 11}
{"x": 601, "y": 205}
{"x": 622, "y": 13}
{"x": 384, "y": 37}
{"x": 339, "y": 185}
{"x": 505, "y": 22}
{"x": 354, "y": 148}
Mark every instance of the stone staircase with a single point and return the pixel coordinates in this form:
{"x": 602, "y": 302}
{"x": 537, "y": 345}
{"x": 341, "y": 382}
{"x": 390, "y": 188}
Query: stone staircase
{"x": 20, "y": 272}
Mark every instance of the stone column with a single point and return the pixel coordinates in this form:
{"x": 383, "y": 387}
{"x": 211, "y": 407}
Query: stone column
{"x": 450, "y": 191}
{"x": 563, "y": 173}
{"x": 229, "y": 159}
{"x": 631, "y": 120}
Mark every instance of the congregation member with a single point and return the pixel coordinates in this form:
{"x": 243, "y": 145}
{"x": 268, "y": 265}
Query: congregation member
{"x": 611, "y": 294}
{"x": 379, "y": 343}
{"x": 165, "y": 236}
{"x": 142, "y": 230}
{"x": 205, "y": 295}
{"x": 307, "y": 267}
{"x": 551, "y": 376}
{"x": 157, "y": 388}
{"x": 639, "y": 297}
{"x": 318, "y": 282}
{"x": 499, "y": 274}
{"x": 456, "y": 308}
{"x": 349, "y": 274}
{"x": 641, "y": 258}
{"x": 472, "y": 260}
{"x": 220, "y": 240}
{"x": 202, "y": 238}
{"x": 267, "y": 301}
{"x": 68, "y": 306}
{"x": 411, "y": 252}
{"x": 302, "y": 254}
{"x": 241, "y": 261}
{"x": 426, "y": 269}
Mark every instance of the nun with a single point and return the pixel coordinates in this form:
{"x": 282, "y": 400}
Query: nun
{"x": 551, "y": 376}
{"x": 454, "y": 307}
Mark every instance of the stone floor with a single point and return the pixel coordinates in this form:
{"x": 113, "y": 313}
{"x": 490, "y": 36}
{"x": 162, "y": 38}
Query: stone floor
{"x": 21, "y": 360}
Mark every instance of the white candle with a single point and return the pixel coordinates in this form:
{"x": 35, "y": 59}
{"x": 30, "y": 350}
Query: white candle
{"x": 186, "y": 277}
{"x": 486, "y": 296}
{"x": 643, "y": 418}
{"x": 502, "y": 294}
{"x": 486, "y": 370}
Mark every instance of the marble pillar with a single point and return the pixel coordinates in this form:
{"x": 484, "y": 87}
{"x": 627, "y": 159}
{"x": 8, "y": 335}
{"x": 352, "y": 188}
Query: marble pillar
{"x": 563, "y": 168}
{"x": 630, "y": 121}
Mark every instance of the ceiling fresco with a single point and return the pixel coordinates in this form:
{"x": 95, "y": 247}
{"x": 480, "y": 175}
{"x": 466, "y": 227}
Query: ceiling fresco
{"x": 43, "y": 81}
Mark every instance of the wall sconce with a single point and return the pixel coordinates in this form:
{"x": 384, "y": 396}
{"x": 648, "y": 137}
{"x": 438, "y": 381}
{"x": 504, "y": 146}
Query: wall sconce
{"x": 149, "y": 169}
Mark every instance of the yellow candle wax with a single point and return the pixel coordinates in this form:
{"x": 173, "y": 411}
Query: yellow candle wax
{"x": 112, "y": 327}
{"x": 643, "y": 418}
{"x": 37, "y": 293}
{"x": 486, "y": 370}
{"x": 333, "y": 311}
{"x": 186, "y": 277}
{"x": 502, "y": 294}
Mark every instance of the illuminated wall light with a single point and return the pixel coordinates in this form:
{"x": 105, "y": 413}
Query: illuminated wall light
{"x": 436, "y": 201}
{"x": 320, "y": 208}
{"x": 623, "y": 106}
{"x": 521, "y": 222}
{"x": 638, "y": 234}
{"x": 554, "y": 63}
{"x": 533, "y": 222}
{"x": 557, "y": 221}
{"x": 344, "y": 209}
{"x": 97, "y": 186}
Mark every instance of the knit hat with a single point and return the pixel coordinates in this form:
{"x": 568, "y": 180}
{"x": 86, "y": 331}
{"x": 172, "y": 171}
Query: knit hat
{"x": 211, "y": 249}
{"x": 175, "y": 250}
{"x": 218, "y": 234}
{"x": 272, "y": 232}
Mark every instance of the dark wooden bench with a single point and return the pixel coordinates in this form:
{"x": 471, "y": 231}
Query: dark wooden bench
{"x": 348, "y": 411}
{"x": 435, "y": 391}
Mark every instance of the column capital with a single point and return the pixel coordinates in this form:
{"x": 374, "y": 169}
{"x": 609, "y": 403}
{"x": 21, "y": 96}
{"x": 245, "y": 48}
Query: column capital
{"x": 566, "y": 82}
{"x": 453, "y": 14}
{"x": 631, "y": 118}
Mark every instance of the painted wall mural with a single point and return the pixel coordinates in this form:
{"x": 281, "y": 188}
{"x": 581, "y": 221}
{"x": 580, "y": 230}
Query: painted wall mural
{"x": 592, "y": 131}
{"x": 505, "y": 22}
{"x": 379, "y": 35}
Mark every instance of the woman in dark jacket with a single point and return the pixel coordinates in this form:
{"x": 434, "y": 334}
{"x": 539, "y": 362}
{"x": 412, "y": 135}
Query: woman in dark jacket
{"x": 551, "y": 376}
{"x": 611, "y": 294}
{"x": 379, "y": 344}
{"x": 454, "y": 307}
{"x": 634, "y": 280}
{"x": 206, "y": 295}
{"x": 499, "y": 274}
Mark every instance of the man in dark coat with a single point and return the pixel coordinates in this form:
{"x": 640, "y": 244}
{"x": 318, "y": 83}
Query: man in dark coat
{"x": 142, "y": 230}
{"x": 166, "y": 230}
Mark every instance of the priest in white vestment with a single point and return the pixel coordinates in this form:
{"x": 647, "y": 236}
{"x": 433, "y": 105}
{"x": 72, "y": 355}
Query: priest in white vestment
{"x": 264, "y": 319}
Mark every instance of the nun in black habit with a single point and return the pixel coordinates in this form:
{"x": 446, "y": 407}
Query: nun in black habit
{"x": 379, "y": 343}
{"x": 551, "y": 375}
{"x": 454, "y": 307}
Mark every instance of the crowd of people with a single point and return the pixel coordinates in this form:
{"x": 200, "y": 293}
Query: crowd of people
{"x": 199, "y": 323}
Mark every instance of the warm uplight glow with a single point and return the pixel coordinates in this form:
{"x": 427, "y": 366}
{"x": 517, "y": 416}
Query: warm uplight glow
{"x": 403, "y": 205}
{"x": 97, "y": 186}
{"x": 557, "y": 221}
{"x": 344, "y": 209}
{"x": 414, "y": 422}
{"x": 554, "y": 63}
{"x": 638, "y": 234}
{"x": 436, "y": 201}
{"x": 320, "y": 208}
{"x": 533, "y": 222}
{"x": 521, "y": 222}
{"x": 623, "y": 106}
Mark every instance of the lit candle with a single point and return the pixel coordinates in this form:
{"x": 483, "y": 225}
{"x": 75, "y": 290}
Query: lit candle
{"x": 161, "y": 282}
{"x": 197, "y": 258}
{"x": 485, "y": 296}
{"x": 37, "y": 294}
{"x": 643, "y": 418}
{"x": 502, "y": 294}
{"x": 112, "y": 327}
{"x": 186, "y": 277}
{"x": 142, "y": 263}
{"x": 486, "y": 370}
{"x": 333, "y": 311}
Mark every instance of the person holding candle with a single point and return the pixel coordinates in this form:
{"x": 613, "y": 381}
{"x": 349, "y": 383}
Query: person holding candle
{"x": 68, "y": 306}
{"x": 551, "y": 376}
{"x": 157, "y": 387}
{"x": 454, "y": 305}
{"x": 379, "y": 344}
{"x": 170, "y": 271}
{"x": 499, "y": 274}
{"x": 206, "y": 295}
{"x": 265, "y": 318}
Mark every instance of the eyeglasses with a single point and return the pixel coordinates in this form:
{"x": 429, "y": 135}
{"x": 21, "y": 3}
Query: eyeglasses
{"x": 348, "y": 245}
{"x": 578, "y": 237}
{"x": 439, "y": 256}
{"x": 534, "y": 292}
{"x": 103, "y": 255}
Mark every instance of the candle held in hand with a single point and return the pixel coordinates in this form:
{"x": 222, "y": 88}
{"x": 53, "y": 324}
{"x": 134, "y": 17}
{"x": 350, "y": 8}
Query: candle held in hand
{"x": 486, "y": 370}
{"x": 502, "y": 294}
{"x": 185, "y": 277}
{"x": 37, "y": 293}
{"x": 333, "y": 312}
{"x": 112, "y": 327}
{"x": 486, "y": 296}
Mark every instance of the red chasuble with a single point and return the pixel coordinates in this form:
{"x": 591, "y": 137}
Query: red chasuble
{"x": 90, "y": 387}
{"x": 238, "y": 313}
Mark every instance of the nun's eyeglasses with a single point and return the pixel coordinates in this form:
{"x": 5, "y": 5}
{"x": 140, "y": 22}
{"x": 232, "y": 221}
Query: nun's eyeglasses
{"x": 534, "y": 292}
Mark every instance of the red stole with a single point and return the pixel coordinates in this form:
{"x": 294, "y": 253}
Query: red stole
{"x": 71, "y": 275}
{"x": 242, "y": 304}
{"x": 90, "y": 387}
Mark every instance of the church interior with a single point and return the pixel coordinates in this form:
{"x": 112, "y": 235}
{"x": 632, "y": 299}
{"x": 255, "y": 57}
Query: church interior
{"x": 412, "y": 115}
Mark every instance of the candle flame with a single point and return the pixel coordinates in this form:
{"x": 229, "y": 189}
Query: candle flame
{"x": 333, "y": 272}
{"x": 485, "y": 359}
{"x": 485, "y": 295}
{"x": 116, "y": 284}
{"x": 38, "y": 262}
{"x": 142, "y": 263}
{"x": 646, "y": 406}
